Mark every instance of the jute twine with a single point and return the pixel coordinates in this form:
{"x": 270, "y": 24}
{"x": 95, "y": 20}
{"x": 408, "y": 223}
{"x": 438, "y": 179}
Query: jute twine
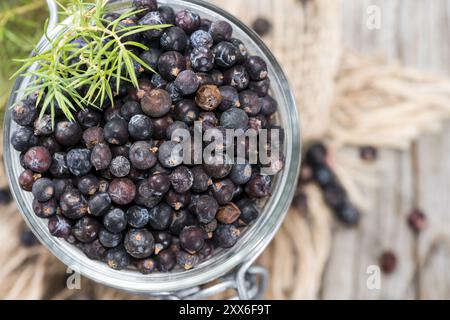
{"x": 342, "y": 98}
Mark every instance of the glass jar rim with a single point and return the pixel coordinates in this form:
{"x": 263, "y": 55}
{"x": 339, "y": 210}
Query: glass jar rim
{"x": 254, "y": 239}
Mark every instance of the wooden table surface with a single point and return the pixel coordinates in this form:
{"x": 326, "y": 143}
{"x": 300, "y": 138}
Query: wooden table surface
{"x": 415, "y": 33}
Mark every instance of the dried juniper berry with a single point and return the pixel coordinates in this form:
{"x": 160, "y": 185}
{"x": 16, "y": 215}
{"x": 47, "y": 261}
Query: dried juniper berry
{"x": 45, "y": 209}
{"x": 228, "y": 214}
{"x": 186, "y": 111}
{"x": 59, "y": 227}
{"x": 268, "y": 105}
{"x": 88, "y": 185}
{"x": 187, "y": 20}
{"x": 50, "y": 144}
{"x": 187, "y": 82}
{"x": 206, "y": 208}
{"x": 241, "y": 172}
{"x": 93, "y": 250}
{"x": 176, "y": 131}
{"x": 159, "y": 183}
{"x": 262, "y": 26}
{"x": 115, "y": 220}
{"x": 175, "y": 94}
{"x": 27, "y": 179}
{"x": 174, "y": 38}
{"x": 157, "y": 81}
{"x": 89, "y": 118}
{"x": 68, "y": 133}
{"x": 117, "y": 258}
{"x": 237, "y": 77}
{"x": 93, "y": 136}
{"x": 225, "y": 54}
{"x": 202, "y": 59}
{"x": 230, "y": 98}
{"x": 234, "y": 118}
{"x": 170, "y": 64}
{"x": 226, "y": 235}
{"x": 140, "y": 127}
{"x": 205, "y": 24}
{"x": 150, "y": 57}
{"x": 145, "y": 266}
{"x": 86, "y": 229}
{"x": 170, "y": 154}
{"x": 218, "y": 167}
{"x": 192, "y": 238}
{"x": 258, "y": 186}
{"x": 37, "y": 159}
{"x": 210, "y": 227}
{"x": 142, "y": 156}
{"x": 130, "y": 109}
{"x": 156, "y": 103}
{"x": 59, "y": 168}
{"x": 145, "y": 6}
{"x": 73, "y": 204}
{"x": 166, "y": 261}
{"x": 122, "y": 191}
{"x": 99, "y": 204}
{"x": 160, "y": 216}
{"x": 23, "y": 139}
{"x": 167, "y": 13}
{"x": 242, "y": 50}
{"x": 139, "y": 243}
{"x": 120, "y": 167}
{"x": 201, "y": 38}
{"x": 61, "y": 186}
{"x": 163, "y": 240}
{"x": 208, "y": 97}
{"x": 347, "y": 214}
{"x": 249, "y": 211}
{"x": 250, "y": 102}
{"x": 137, "y": 216}
{"x": 256, "y": 68}
{"x": 223, "y": 191}
{"x": 79, "y": 161}
{"x": 112, "y": 112}
{"x": 25, "y": 112}
{"x": 116, "y": 131}
{"x": 220, "y": 31}
{"x": 153, "y": 18}
{"x": 43, "y": 125}
{"x": 145, "y": 196}
{"x": 101, "y": 156}
{"x": 43, "y": 189}
{"x": 260, "y": 87}
{"x": 186, "y": 260}
{"x": 181, "y": 179}
{"x": 201, "y": 179}
{"x": 177, "y": 200}
{"x": 180, "y": 219}
{"x": 108, "y": 239}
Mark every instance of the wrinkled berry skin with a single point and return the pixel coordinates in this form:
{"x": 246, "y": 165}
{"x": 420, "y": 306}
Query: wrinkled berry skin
{"x": 140, "y": 127}
{"x": 225, "y": 54}
{"x": 145, "y": 5}
{"x": 139, "y": 243}
{"x": 156, "y": 103}
{"x": 59, "y": 168}
{"x": 59, "y": 227}
{"x": 186, "y": 260}
{"x": 73, "y": 204}
{"x": 101, "y": 156}
{"x": 170, "y": 64}
{"x": 201, "y": 38}
{"x": 202, "y": 59}
{"x": 146, "y": 266}
{"x": 220, "y": 31}
{"x": 206, "y": 208}
{"x": 187, "y": 82}
{"x": 153, "y": 18}
{"x": 208, "y": 97}
{"x": 181, "y": 179}
{"x": 141, "y": 155}
{"x": 37, "y": 159}
{"x": 237, "y": 77}
{"x": 79, "y": 161}
{"x": 25, "y": 112}
{"x": 122, "y": 191}
{"x": 188, "y": 21}
{"x": 137, "y": 216}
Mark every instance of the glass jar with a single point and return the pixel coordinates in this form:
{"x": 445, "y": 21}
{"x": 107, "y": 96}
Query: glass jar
{"x": 254, "y": 239}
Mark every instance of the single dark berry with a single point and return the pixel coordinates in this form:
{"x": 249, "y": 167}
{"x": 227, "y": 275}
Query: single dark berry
{"x": 187, "y": 82}
{"x": 146, "y": 266}
{"x": 192, "y": 239}
{"x": 37, "y": 159}
{"x": 176, "y": 131}
{"x": 145, "y": 196}
{"x": 201, "y": 38}
{"x": 167, "y": 13}
{"x": 188, "y": 21}
{"x": 137, "y": 216}
{"x": 159, "y": 183}
{"x": 237, "y": 77}
{"x": 142, "y": 156}
{"x": 268, "y": 105}
{"x": 201, "y": 179}
{"x": 223, "y": 191}
{"x": 177, "y": 200}
{"x": 88, "y": 185}
{"x": 261, "y": 88}
{"x": 153, "y": 18}
{"x": 250, "y": 102}
{"x": 170, "y": 64}
{"x": 24, "y": 113}
{"x": 258, "y": 187}
{"x": 151, "y": 57}
{"x": 368, "y": 153}
{"x": 108, "y": 239}
{"x": 59, "y": 227}
{"x": 160, "y": 216}
{"x": 86, "y": 229}
{"x": 220, "y": 31}
{"x": 112, "y": 113}
{"x": 417, "y": 220}
{"x": 49, "y": 143}
{"x": 89, "y": 118}
{"x": 140, "y": 127}
{"x": 241, "y": 172}
{"x": 44, "y": 209}
{"x": 120, "y": 167}
{"x": 117, "y": 258}
{"x": 43, "y": 126}
{"x": 116, "y": 131}
{"x": 228, "y": 214}
{"x": 262, "y": 26}
{"x": 186, "y": 111}
{"x": 93, "y": 136}
{"x": 249, "y": 211}
{"x": 165, "y": 261}
{"x": 157, "y": 81}
{"x": 61, "y": 186}
{"x": 180, "y": 219}
{"x": 388, "y": 262}
{"x": 122, "y": 191}
{"x": 93, "y": 250}
{"x": 187, "y": 260}
{"x": 347, "y": 214}
{"x": 27, "y": 179}
{"x": 59, "y": 167}
{"x": 174, "y": 38}
{"x": 225, "y": 54}
{"x": 242, "y": 50}
{"x": 175, "y": 94}
{"x": 181, "y": 179}
{"x": 115, "y": 220}
{"x": 316, "y": 154}
{"x": 23, "y": 139}
{"x": 226, "y": 235}
{"x": 43, "y": 189}
{"x": 218, "y": 167}
{"x": 300, "y": 202}
{"x": 202, "y": 59}
{"x": 101, "y": 156}
{"x": 73, "y": 204}
{"x": 156, "y": 103}
{"x": 68, "y": 133}
{"x": 99, "y": 204}
{"x": 234, "y": 118}
{"x": 170, "y": 154}
{"x": 206, "y": 208}
{"x": 256, "y": 68}
{"x": 79, "y": 161}
{"x": 130, "y": 109}
{"x": 208, "y": 97}
{"x": 139, "y": 243}
{"x": 230, "y": 98}
{"x": 145, "y": 6}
